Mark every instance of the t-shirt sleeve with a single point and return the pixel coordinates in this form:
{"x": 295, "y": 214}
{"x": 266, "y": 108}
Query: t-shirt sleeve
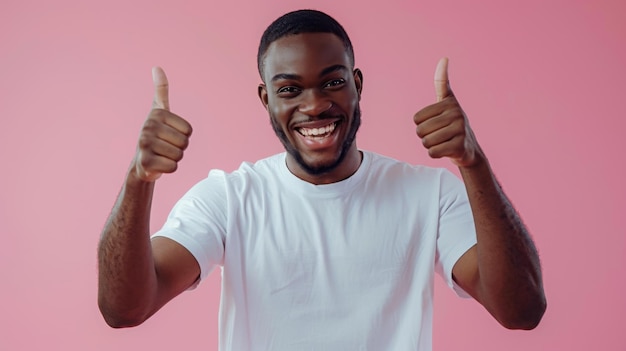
{"x": 457, "y": 232}
{"x": 198, "y": 222}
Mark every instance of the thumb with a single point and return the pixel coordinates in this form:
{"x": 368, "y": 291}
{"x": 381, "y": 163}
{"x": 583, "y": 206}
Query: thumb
{"x": 161, "y": 89}
{"x": 442, "y": 84}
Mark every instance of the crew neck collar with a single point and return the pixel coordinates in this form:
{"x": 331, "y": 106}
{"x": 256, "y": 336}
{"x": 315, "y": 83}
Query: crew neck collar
{"x": 341, "y": 187}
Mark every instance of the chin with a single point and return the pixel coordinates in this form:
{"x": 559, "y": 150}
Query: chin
{"x": 320, "y": 165}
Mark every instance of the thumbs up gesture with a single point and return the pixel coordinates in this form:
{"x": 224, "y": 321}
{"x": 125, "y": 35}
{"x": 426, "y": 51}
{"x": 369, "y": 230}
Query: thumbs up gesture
{"x": 164, "y": 135}
{"x": 443, "y": 126}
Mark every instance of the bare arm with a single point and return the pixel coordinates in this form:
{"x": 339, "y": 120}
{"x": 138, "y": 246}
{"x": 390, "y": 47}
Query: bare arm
{"x": 502, "y": 271}
{"x": 137, "y": 276}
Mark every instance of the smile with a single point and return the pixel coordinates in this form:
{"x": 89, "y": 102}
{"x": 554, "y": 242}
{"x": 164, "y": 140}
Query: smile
{"x": 318, "y": 133}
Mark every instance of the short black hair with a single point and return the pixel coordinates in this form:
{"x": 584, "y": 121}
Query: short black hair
{"x": 302, "y": 21}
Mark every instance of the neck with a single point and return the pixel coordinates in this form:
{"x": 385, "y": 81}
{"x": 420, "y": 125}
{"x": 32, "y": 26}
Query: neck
{"x": 348, "y": 166}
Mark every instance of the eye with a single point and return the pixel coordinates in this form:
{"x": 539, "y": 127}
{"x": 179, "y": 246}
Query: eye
{"x": 335, "y": 83}
{"x": 288, "y": 91}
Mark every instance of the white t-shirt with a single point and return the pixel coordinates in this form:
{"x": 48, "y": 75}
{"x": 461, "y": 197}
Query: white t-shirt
{"x": 342, "y": 266}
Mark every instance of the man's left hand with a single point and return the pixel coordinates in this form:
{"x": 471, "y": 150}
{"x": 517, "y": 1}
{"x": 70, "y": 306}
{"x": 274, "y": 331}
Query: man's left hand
{"x": 443, "y": 126}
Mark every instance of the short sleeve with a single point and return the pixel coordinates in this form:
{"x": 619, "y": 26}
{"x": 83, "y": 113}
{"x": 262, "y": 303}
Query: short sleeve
{"x": 198, "y": 222}
{"x": 457, "y": 233}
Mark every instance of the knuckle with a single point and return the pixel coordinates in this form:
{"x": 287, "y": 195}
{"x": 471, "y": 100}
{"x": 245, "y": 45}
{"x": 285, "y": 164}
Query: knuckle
{"x": 419, "y": 132}
{"x": 185, "y": 143}
{"x": 458, "y": 126}
{"x": 433, "y": 153}
{"x": 156, "y": 117}
{"x": 159, "y": 113}
{"x": 145, "y": 141}
{"x": 416, "y": 118}
{"x": 178, "y": 155}
{"x": 150, "y": 126}
{"x": 171, "y": 167}
{"x": 146, "y": 162}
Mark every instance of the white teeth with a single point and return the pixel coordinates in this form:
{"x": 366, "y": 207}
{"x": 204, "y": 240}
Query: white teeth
{"x": 317, "y": 131}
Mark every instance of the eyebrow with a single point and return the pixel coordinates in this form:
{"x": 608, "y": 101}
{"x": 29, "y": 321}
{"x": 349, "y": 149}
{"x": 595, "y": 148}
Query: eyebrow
{"x": 325, "y": 71}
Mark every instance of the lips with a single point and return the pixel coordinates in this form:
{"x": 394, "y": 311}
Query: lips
{"x": 320, "y": 134}
{"x": 317, "y": 132}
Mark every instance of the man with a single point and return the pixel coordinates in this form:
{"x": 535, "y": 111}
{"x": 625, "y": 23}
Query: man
{"x": 325, "y": 246}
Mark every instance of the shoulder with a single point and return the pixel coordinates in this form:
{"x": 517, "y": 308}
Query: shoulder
{"x": 269, "y": 167}
{"x": 218, "y": 179}
{"x": 406, "y": 179}
{"x": 249, "y": 175}
{"x": 393, "y": 168}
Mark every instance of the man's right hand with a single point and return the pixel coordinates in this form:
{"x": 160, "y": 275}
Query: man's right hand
{"x": 164, "y": 135}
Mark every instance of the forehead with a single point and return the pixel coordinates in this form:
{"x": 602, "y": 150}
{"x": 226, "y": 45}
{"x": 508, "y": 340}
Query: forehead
{"x": 303, "y": 54}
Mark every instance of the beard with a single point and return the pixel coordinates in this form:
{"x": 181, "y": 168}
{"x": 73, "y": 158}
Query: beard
{"x": 323, "y": 168}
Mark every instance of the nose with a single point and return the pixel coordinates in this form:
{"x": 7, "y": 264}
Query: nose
{"x": 314, "y": 103}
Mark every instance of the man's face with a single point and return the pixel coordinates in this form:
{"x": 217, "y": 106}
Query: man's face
{"x": 312, "y": 96}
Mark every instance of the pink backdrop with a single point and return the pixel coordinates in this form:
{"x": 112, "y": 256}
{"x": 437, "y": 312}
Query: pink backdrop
{"x": 540, "y": 80}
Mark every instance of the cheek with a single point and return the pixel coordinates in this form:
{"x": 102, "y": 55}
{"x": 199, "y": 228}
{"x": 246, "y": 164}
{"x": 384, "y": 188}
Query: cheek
{"x": 280, "y": 112}
{"x": 349, "y": 100}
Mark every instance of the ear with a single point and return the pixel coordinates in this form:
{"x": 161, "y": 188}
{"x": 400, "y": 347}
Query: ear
{"x": 262, "y": 91}
{"x": 358, "y": 81}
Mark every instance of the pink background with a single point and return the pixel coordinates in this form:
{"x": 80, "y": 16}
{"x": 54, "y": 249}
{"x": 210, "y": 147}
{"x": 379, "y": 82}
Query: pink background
{"x": 542, "y": 83}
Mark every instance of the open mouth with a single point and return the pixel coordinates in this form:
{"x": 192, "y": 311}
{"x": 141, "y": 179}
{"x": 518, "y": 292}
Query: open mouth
{"x": 317, "y": 133}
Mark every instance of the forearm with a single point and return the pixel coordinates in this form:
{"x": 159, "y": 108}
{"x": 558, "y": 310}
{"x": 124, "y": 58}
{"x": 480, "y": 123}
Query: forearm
{"x": 127, "y": 281}
{"x": 510, "y": 283}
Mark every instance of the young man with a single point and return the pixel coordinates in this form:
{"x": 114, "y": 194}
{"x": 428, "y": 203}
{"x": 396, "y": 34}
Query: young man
{"x": 325, "y": 246}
